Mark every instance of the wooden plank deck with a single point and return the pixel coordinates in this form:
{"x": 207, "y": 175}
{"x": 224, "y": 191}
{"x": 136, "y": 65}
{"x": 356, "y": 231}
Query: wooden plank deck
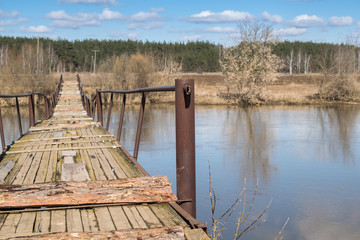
{"x": 71, "y": 146}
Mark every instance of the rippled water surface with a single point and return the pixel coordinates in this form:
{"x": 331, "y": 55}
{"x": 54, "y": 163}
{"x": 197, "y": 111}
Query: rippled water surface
{"x": 306, "y": 159}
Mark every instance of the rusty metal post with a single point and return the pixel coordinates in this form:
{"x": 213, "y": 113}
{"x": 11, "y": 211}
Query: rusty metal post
{"x": 121, "y": 117}
{"x": 185, "y": 144}
{"x": 99, "y": 107}
{"x": 109, "y": 112}
{"x": 31, "y": 111}
{"x": 19, "y": 116}
{"x": 140, "y": 121}
{"x": 2, "y": 132}
{"x": 47, "y": 113}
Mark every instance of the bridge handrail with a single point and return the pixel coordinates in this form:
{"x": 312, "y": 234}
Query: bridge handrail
{"x": 49, "y": 104}
{"x": 185, "y": 129}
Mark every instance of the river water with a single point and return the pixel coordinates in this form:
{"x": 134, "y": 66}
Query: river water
{"x": 306, "y": 159}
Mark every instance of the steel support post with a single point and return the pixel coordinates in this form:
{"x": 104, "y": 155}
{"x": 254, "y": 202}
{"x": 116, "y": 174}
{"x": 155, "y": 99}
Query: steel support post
{"x": 185, "y": 144}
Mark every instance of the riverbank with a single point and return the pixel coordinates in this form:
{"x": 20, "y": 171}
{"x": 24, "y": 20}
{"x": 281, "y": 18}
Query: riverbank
{"x": 296, "y": 89}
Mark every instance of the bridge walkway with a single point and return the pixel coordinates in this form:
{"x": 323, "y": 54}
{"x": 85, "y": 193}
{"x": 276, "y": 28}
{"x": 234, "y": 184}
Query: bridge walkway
{"x": 68, "y": 178}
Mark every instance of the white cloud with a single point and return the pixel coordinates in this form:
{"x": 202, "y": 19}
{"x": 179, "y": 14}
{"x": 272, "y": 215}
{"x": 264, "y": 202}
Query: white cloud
{"x": 12, "y": 22}
{"x": 190, "y": 38}
{"x": 38, "y": 29}
{"x": 146, "y": 26}
{"x": 290, "y": 31}
{"x": 341, "y": 21}
{"x": 221, "y": 30}
{"x": 100, "y": 2}
{"x": 220, "y": 17}
{"x": 157, "y": 9}
{"x": 358, "y": 24}
{"x": 64, "y": 20}
{"x": 145, "y": 16}
{"x": 133, "y": 35}
{"x": 2, "y": 29}
{"x": 74, "y": 24}
{"x": 107, "y": 14}
{"x": 307, "y": 21}
{"x": 272, "y": 18}
{"x": 4, "y": 14}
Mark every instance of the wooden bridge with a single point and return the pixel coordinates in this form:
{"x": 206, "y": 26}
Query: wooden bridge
{"x": 68, "y": 178}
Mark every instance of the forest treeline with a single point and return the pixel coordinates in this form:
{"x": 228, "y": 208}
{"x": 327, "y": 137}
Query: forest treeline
{"x": 22, "y": 55}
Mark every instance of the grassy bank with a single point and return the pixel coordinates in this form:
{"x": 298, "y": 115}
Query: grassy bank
{"x": 210, "y": 88}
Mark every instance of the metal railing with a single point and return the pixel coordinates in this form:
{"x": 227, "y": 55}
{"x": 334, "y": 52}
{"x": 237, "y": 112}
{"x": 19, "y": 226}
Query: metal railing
{"x": 185, "y": 130}
{"x": 49, "y": 105}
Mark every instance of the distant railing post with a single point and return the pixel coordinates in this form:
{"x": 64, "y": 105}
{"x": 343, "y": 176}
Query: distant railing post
{"x": 109, "y": 112}
{"x": 31, "y": 110}
{"x": 121, "y": 117}
{"x": 19, "y": 116}
{"x": 99, "y": 107}
{"x": 46, "y": 102}
{"x": 140, "y": 121}
{"x": 185, "y": 144}
{"x": 2, "y": 132}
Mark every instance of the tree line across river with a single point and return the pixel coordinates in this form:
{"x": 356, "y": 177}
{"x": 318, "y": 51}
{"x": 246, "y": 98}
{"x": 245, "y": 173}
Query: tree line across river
{"x": 23, "y": 55}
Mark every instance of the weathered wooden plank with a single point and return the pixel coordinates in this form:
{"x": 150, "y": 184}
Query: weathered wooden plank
{"x": 163, "y": 233}
{"x": 89, "y": 221}
{"x": 74, "y": 172}
{"x": 84, "y": 157}
{"x": 5, "y": 170}
{"x": 98, "y": 172}
{"x": 73, "y": 220}
{"x": 42, "y": 223}
{"x": 62, "y": 138}
{"x": 170, "y": 214}
{"x": 63, "y": 126}
{"x": 26, "y": 223}
{"x": 58, "y": 221}
{"x": 22, "y": 163}
{"x": 60, "y": 149}
{"x": 141, "y": 189}
{"x": 128, "y": 168}
{"x": 150, "y": 219}
{"x": 160, "y": 213}
{"x": 41, "y": 174}
{"x": 104, "y": 219}
{"x": 120, "y": 220}
{"x": 10, "y": 224}
{"x": 51, "y": 170}
{"x": 195, "y": 234}
{"x": 134, "y": 217}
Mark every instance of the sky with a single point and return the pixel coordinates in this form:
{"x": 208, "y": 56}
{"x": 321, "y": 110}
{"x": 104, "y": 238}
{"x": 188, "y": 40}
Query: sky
{"x": 332, "y": 21}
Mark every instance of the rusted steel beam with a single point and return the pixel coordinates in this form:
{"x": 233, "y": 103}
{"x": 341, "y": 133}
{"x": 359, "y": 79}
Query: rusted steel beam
{"x": 109, "y": 112}
{"x": 99, "y": 107}
{"x": 136, "y": 190}
{"x": 19, "y": 116}
{"x": 159, "y": 233}
{"x": 2, "y": 135}
{"x": 31, "y": 111}
{"x": 139, "y": 127}
{"x": 185, "y": 143}
{"x": 121, "y": 117}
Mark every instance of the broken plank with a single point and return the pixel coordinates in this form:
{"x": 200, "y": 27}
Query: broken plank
{"x": 5, "y": 169}
{"x": 163, "y": 233}
{"x": 134, "y": 190}
{"x": 59, "y": 149}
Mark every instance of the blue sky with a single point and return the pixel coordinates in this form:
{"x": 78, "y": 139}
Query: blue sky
{"x": 332, "y": 21}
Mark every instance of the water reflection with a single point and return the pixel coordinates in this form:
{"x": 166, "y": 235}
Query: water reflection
{"x": 306, "y": 158}
{"x": 337, "y": 138}
{"x": 247, "y": 134}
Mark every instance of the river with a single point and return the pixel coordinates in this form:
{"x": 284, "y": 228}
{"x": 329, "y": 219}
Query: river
{"x": 306, "y": 159}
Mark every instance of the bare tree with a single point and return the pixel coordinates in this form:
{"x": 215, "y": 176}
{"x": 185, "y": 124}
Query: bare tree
{"x": 250, "y": 66}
